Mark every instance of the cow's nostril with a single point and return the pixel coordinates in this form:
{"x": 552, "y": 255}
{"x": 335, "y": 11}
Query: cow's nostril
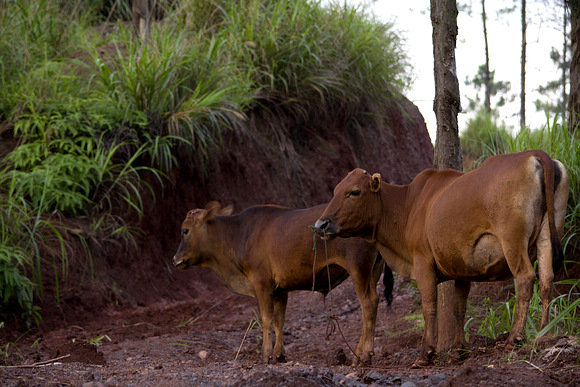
{"x": 321, "y": 225}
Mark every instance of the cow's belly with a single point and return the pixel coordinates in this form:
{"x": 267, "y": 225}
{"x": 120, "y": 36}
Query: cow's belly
{"x": 485, "y": 261}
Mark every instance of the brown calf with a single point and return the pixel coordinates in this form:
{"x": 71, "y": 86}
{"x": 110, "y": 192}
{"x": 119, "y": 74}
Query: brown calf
{"x": 266, "y": 251}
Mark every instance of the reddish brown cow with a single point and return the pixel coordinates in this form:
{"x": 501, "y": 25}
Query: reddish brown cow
{"x": 484, "y": 225}
{"x": 267, "y": 251}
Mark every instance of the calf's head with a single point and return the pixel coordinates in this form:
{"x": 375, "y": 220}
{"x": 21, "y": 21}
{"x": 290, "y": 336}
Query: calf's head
{"x": 194, "y": 235}
{"x": 354, "y": 209}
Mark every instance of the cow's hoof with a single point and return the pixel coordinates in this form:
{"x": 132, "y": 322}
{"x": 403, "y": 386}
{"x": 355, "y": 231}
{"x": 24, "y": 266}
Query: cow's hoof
{"x": 269, "y": 360}
{"x": 363, "y": 360}
{"x": 281, "y": 358}
{"x": 419, "y": 363}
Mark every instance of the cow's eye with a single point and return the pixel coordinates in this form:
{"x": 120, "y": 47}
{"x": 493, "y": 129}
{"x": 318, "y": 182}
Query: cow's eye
{"x": 185, "y": 231}
{"x": 355, "y": 192}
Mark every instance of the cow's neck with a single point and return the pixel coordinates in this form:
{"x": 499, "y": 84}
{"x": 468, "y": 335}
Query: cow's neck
{"x": 390, "y": 231}
{"x": 224, "y": 235}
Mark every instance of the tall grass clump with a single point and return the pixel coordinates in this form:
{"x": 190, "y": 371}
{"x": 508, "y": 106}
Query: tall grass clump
{"x": 483, "y": 137}
{"x": 33, "y": 32}
{"x": 179, "y": 80}
{"x": 305, "y": 60}
{"x": 28, "y": 241}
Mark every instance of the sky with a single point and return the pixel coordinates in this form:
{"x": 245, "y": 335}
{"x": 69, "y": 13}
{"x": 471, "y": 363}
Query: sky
{"x": 413, "y": 21}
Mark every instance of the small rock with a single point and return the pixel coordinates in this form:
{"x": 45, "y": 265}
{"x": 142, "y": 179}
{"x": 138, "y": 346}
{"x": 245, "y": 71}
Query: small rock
{"x": 437, "y": 378}
{"x": 202, "y": 355}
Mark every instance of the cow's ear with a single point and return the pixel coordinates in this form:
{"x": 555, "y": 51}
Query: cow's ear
{"x": 227, "y": 210}
{"x": 212, "y": 209}
{"x": 376, "y": 182}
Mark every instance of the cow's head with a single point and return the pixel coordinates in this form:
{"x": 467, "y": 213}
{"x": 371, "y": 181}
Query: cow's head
{"x": 354, "y": 209}
{"x": 194, "y": 234}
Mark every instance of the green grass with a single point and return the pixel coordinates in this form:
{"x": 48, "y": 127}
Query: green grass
{"x": 493, "y": 320}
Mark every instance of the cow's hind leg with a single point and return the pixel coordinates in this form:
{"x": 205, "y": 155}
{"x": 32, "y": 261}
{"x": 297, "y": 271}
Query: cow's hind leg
{"x": 545, "y": 271}
{"x": 280, "y": 301}
{"x": 521, "y": 268}
{"x": 461, "y": 293}
{"x": 545, "y": 245}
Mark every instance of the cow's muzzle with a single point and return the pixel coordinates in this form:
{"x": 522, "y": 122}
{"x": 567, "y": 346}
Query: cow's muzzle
{"x": 180, "y": 263}
{"x": 325, "y": 229}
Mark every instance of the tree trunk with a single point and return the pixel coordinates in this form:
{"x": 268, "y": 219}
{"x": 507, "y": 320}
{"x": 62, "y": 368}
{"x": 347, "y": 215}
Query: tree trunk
{"x": 487, "y": 77}
{"x": 523, "y": 70}
{"x": 574, "y": 101}
{"x": 141, "y": 10}
{"x": 447, "y": 147}
{"x": 564, "y": 67}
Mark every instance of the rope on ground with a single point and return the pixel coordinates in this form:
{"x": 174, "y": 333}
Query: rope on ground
{"x": 332, "y": 320}
{"x": 38, "y": 364}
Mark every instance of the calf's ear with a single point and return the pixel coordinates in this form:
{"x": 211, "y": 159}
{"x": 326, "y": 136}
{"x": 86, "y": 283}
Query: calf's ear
{"x": 376, "y": 182}
{"x": 212, "y": 209}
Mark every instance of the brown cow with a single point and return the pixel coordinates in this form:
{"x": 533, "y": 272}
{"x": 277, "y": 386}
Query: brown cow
{"x": 266, "y": 251}
{"x": 483, "y": 225}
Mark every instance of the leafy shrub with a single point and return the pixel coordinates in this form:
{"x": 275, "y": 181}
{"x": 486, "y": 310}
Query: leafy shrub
{"x": 483, "y": 137}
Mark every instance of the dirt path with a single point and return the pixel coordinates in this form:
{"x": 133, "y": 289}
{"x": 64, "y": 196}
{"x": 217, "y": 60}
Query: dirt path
{"x": 195, "y": 342}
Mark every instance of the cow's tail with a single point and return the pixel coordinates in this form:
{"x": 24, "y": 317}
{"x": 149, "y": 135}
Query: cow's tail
{"x": 388, "y": 281}
{"x": 550, "y": 185}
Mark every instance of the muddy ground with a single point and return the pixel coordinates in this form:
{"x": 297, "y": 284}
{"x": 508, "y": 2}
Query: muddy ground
{"x": 201, "y": 342}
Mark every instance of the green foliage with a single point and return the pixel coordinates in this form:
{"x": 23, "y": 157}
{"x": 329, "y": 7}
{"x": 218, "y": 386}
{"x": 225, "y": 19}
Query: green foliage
{"x": 179, "y": 81}
{"x": 299, "y": 55}
{"x": 500, "y": 88}
{"x": 498, "y": 319}
{"x": 483, "y": 137}
{"x": 554, "y": 90}
{"x": 27, "y": 241}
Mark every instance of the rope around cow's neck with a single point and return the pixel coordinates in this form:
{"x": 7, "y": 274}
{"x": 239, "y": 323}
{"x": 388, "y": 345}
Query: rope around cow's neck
{"x": 332, "y": 320}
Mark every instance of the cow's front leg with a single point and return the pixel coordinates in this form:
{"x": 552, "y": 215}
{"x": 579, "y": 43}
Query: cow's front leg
{"x": 365, "y": 286}
{"x": 280, "y": 301}
{"x": 426, "y": 282}
{"x": 266, "y": 306}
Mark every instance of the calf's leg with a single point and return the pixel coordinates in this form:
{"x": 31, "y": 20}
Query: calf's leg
{"x": 266, "y": 306}
{"x": 280, "y": 302}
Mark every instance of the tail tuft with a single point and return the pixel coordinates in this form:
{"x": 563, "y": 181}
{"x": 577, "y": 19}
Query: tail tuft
{"x": 557, "y": 253}
{"x": 388, "y": 281}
